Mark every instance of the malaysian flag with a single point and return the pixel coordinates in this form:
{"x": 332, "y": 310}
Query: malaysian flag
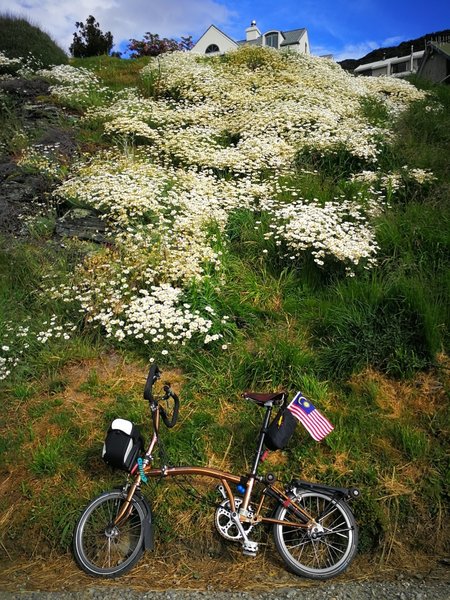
{"x": 308, "y": 415}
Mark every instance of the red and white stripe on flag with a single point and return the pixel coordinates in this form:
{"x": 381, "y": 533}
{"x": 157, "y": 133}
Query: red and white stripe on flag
{"x": 314, "y": 422}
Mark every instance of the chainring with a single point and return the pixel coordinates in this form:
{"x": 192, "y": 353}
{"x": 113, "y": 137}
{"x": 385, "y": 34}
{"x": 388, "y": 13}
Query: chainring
{"x": 225, "y": 524}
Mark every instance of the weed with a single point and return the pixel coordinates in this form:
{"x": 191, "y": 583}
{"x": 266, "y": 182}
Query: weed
{"x": 375, "y": 111}
{"x": 371, "y": 322}
{"x": 337, "y": 163}
{"x": 412, "y": 442}
{"x": 50, "y": 457}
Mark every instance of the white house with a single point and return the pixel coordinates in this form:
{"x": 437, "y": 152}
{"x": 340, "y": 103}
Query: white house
{"x": 398, "y": 66}
{"x": 215, "y": 41}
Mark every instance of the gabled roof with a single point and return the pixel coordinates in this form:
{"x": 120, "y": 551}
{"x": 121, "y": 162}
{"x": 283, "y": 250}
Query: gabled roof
{"x": 293, "y": 36}
{"x": 220, "y": 31}
{"x": 290, "y": 37}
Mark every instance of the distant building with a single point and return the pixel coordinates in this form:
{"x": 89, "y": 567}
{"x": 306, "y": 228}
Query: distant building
{"x": 215, "y": 41}
{"x": 435, "y": 65}
{"x": 398, "y": 66}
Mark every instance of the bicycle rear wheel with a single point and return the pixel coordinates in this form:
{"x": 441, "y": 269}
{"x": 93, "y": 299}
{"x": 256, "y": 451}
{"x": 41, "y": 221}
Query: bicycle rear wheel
{"x": 103, "y": 549}
{"x": 321, "y": 552}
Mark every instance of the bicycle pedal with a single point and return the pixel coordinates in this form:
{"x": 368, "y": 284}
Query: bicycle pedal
{"x": 250, "y": 548}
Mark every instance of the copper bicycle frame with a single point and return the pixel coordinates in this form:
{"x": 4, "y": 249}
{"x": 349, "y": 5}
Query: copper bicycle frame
{"x": 224, "y": 477}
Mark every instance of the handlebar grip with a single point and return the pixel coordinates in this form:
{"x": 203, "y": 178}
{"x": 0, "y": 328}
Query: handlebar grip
{"x": 152, "y": 377}
{"x": 172, "y": 422}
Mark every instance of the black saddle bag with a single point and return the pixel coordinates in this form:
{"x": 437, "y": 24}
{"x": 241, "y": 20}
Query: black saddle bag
{"x": 123, "y": 444}
{"x": 280, "y": 430}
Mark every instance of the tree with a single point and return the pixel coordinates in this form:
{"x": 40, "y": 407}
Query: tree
{"x": 90, "y": 40}
{"x": 153, "y": 45}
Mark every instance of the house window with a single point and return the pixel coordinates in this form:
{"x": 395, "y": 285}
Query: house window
{"x": 400, "y": 67}
{"x": 272, "y": 39}
{"x": 212, "y": 48}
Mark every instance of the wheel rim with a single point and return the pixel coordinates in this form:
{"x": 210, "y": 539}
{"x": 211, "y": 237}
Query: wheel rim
{"x": 105, "y": 547}
{"x": 324, "y": 548}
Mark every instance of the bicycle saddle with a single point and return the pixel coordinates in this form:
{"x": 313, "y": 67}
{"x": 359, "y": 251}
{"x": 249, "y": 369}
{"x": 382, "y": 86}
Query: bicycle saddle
{"x": 265, "y": 399}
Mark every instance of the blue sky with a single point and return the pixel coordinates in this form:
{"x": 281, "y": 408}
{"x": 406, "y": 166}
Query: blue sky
{"x": 344, "y": 28}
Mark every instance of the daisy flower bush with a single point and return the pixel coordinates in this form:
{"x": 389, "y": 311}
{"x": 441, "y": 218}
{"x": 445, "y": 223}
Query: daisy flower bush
{"x": 74, "y": 86}
{"x": 216, "y": 136}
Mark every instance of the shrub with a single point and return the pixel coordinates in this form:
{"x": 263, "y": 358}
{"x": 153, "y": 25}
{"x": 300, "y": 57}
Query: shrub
{"x": 153, "y": 45}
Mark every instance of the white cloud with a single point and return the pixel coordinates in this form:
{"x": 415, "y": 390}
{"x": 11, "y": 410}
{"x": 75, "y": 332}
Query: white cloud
{"x": 125, "y": 19}
{"x": 392, "y": 41}
{"x": 347, "y": 51}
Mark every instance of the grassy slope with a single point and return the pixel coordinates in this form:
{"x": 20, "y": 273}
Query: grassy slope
{"x": 21, "y": 39}
{"x": 296, "y": 330}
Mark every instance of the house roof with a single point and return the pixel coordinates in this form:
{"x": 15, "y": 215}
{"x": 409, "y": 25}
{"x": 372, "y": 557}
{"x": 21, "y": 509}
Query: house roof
{"x": 217, "y": 29}
{"x": 383, "y": 63}
{"x": 441, "y": 48}
{"x": 290, "y": 37}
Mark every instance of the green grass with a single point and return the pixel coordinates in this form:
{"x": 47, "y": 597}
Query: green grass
{"x": 116, "y": 73}
{"x": 50, "y": 456}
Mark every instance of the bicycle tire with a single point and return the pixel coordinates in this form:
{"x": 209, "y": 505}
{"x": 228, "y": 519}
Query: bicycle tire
{"x": 102, "y": 550}
{"x": 326, "y": 555}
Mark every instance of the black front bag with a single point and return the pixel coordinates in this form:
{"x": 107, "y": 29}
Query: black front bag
{"x": 280, "y": 430}
{"x": 123, "y": 444}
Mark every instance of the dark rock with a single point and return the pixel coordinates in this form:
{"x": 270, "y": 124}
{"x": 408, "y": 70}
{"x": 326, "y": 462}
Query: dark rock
{"x": 25, "y": 88}
{"x": 61, "y": 139}
{"x": 83, "y": 224}
{"x": 8, "y": 169}
{"x": 33, "y": 113}
{"x": 21, "y": 194}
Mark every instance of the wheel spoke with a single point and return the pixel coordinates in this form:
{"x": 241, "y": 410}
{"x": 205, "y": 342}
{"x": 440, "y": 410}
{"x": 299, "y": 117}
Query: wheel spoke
{"x": 334, "y": 543}
{"x": 102, "y": 548}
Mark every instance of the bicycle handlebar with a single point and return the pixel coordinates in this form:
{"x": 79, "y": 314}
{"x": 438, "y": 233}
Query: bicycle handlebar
{"x": 170, "y": 394}
{"x": 153, "y": 375}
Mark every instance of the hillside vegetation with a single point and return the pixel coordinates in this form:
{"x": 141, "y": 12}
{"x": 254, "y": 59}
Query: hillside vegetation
{"x": 271, "y": 222}
{"x": 21, "y": 39}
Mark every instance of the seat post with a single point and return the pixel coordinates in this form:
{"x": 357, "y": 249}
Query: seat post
{"x": 252, "y": 475}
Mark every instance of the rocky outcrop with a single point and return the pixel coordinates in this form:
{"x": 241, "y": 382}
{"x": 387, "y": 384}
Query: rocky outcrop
{"x": 21, "y": 196}
{"x": 83, "y": 224}
{"x": 23, "y": 193}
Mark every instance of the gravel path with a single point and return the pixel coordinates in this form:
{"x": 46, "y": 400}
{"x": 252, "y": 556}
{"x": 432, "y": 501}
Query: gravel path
{"x": 401, "y": 589}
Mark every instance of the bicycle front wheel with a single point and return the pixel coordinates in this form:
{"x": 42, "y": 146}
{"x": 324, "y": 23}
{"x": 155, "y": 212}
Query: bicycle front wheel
{"x": 323, "y": 551}
{"x": 103, "y": 549}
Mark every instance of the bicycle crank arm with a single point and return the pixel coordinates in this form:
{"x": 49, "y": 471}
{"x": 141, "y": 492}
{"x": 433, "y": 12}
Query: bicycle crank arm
{"x": 249, "y": 548}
